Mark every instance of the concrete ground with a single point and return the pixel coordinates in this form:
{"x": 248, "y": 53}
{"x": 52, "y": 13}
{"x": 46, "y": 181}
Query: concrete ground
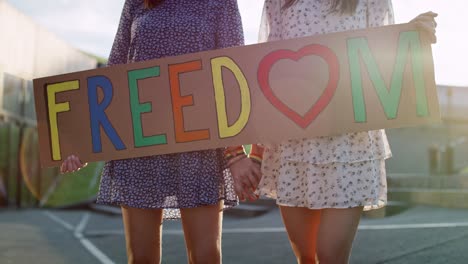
{"x": 417, "y": 235}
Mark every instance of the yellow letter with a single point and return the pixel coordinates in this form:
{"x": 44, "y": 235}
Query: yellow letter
{"x": 224, "y": 129}
{"x": 54, "y": 109}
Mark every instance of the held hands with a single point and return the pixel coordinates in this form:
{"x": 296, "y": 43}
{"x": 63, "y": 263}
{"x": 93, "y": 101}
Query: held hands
{"x": 71, "y": 164}
{"x": 246, "y": 171}
{"x": 246, "y": 175}
{"x": 426, "y": 22}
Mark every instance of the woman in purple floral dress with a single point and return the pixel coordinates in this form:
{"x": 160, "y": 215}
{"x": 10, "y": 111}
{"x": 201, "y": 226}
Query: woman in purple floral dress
{"x": 194, "y": 185}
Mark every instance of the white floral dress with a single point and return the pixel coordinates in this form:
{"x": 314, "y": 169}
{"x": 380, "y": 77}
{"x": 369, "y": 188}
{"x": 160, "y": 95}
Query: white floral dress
{"x": 325, "y": 172}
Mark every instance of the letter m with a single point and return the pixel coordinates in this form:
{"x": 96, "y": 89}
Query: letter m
{"x": 409, "y": 44}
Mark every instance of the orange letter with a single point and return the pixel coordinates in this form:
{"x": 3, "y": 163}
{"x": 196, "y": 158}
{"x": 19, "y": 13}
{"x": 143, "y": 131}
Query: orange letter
{"x": 179, "y": 101}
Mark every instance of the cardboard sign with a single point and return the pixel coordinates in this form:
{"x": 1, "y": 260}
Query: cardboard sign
{"x": 307, "y": 87}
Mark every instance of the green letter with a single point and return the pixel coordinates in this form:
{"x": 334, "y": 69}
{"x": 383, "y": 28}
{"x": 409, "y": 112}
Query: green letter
{"x": 138, "y": 109}
{"x": 390, "y": 99}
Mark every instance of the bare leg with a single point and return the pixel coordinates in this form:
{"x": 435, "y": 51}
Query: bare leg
{"x": 302, "y": 227}
{"x": 336, "y": 234}
{"x": 143, "y": 235}
{"x": 202, "y": 229}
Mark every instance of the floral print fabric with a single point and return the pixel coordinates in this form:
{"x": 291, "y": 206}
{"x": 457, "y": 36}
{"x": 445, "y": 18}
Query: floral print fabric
{"x": 325, "y": 172}
{"x": 183, "y": 180}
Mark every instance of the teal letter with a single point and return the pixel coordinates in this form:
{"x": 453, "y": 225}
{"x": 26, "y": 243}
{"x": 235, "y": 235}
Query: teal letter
{"x": 138, "y": 109}
{"x": 389, "y": 99}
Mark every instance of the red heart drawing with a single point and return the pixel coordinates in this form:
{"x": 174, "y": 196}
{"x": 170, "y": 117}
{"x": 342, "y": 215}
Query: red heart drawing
{"x": 315, "y": 49}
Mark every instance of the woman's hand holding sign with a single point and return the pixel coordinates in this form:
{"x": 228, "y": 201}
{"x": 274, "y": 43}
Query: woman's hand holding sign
{"x": 71, "y": 164}
{"x": 426, "y": 22}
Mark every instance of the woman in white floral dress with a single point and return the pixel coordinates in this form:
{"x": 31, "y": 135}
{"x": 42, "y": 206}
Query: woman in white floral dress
{"x": 322, "y": 184}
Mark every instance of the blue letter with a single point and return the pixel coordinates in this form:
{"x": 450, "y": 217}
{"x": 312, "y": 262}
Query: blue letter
{"x": 97, "y": 114}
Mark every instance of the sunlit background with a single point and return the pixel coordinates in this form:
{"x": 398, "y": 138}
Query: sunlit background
{"x": 90, "y": 26}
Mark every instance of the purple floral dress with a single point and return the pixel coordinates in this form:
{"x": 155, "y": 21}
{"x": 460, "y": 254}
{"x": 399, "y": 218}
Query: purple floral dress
{"x": 183, "y": 180}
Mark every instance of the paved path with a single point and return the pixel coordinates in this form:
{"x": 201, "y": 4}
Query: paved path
{"x": 417, "y": 235}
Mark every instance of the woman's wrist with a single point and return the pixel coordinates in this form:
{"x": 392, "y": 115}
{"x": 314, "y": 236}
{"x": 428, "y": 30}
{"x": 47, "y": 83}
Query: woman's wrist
{"x": 256, "y": 153}
{"x": 235, "y": 159}
{"x": 256, "y": 158}
{"x": 231, "y": 152}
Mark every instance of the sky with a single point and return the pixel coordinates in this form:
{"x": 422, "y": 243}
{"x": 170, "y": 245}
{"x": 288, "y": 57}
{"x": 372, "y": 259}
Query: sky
{"x": 90, "y": 25}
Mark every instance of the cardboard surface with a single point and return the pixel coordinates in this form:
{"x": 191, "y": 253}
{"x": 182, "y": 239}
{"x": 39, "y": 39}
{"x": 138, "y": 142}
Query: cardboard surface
{"x": 314, "y": 86}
